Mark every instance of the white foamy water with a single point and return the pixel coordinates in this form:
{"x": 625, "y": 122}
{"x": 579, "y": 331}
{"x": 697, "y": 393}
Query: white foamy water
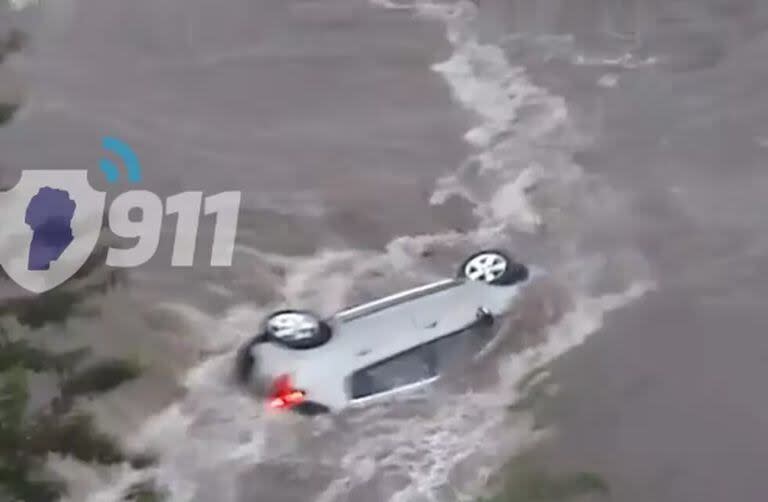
{"x": 526, "y": 194}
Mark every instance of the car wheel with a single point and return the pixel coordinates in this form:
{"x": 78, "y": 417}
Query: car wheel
{"x": 244, "y": 362}
{"x": 493, "y": 267}
{"x": 297, "y": 329}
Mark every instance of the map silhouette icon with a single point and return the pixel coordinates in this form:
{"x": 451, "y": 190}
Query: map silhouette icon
{"x": 49, "y": 215}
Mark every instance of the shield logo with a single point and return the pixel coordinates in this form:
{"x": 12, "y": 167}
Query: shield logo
{"x": 51, "y": 223}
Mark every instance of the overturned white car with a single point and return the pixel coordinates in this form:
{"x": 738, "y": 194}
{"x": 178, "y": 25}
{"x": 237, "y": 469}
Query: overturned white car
{"x": 387, "y": 346}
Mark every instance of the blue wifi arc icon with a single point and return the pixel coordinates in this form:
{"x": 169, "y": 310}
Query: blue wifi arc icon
{"x": 128, "y": 157}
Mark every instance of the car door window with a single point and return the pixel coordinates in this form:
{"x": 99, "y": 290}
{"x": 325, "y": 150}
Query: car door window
{"x": 421, "y": 363}
{"x": 457, "y": 349}
{"x": 413, "y": 366}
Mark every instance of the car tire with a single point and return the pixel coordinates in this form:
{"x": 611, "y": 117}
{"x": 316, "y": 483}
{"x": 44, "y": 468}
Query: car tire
{"x": 296, "y": 329}
{"x": 245, "y": 361}
{"x": 493, "y": 267}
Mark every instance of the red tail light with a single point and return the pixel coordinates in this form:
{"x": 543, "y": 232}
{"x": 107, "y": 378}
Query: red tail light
{"x": 283, "y": 394}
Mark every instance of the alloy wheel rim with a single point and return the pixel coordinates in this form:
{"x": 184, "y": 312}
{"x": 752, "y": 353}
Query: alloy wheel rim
{"x": 486, "y": 267}
{"x": 292, "y": 326}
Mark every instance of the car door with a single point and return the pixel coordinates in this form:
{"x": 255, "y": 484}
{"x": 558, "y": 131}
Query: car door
{"x": 405, "y": 371}
{"x": 419, "y": 366}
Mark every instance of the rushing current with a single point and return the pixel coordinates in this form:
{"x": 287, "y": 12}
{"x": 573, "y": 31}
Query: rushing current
{"x": 617, "y": 144}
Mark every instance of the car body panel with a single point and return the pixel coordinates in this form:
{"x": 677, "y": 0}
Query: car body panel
{"x": 372, "y": 332}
